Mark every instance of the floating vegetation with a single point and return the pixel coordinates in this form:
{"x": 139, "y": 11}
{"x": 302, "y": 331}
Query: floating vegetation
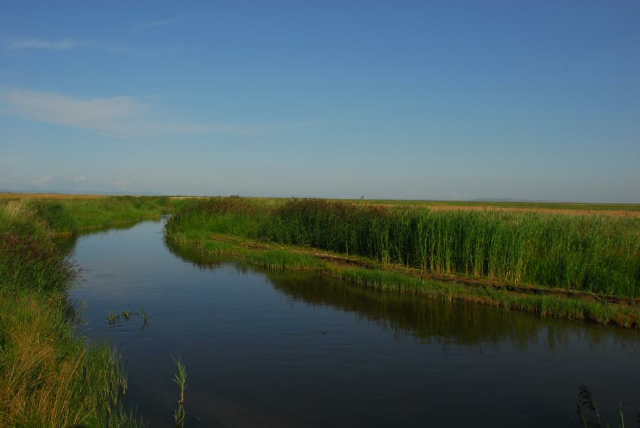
{"x": 114, "y": 317}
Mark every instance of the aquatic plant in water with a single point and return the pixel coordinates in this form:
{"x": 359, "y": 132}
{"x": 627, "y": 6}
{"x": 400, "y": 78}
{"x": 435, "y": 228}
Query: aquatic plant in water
{"x": 589, "y": 414}
{"x": 180, "y": 379}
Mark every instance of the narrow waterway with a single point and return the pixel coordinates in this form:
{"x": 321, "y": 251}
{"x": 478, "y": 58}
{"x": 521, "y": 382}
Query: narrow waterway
{"x": 282, "y": 349}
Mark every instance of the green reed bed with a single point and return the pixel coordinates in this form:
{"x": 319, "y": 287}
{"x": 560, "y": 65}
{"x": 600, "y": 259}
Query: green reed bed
{"x": 589, "y": 253}
{"x": 48, "y": 375}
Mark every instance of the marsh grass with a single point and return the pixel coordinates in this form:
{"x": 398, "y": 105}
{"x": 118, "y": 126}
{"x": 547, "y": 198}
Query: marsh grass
{"x": 589, "y": 253}
{"x": 69, "y": 216}
{"x": 48, "y": 375}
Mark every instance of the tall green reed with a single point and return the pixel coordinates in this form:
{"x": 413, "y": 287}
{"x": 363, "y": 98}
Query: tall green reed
{"x": 593, "y": 253}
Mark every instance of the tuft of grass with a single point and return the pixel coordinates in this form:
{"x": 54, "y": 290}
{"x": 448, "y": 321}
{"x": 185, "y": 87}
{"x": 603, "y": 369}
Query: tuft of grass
{"x": 49, "y": 376}
{"x": 180, "y": 378}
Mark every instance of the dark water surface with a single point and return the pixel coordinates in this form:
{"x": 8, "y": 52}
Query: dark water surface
{"x": 281, "y": 349}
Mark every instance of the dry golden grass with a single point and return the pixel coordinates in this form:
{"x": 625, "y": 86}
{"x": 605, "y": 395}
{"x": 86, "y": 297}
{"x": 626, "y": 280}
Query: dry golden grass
{"x": 10, "y": 195}
{"x": 15, "y": 209}
{"x": 36, "y": 383}
{"x": 48, "y": 377}
{"x": 612, "y": 213}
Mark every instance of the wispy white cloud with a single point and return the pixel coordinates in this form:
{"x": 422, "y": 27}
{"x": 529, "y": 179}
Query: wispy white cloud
{"x": 99, "y": 114}
{"x": 122, "y": 183}
{"x": 147, "y": 25}
{"x": 120, "y": 116}
{"x": 56, "y": 45}
{"x": 79, "y": 178}
{"x": 108, "y": 46}
{"x": 43, "y": 180}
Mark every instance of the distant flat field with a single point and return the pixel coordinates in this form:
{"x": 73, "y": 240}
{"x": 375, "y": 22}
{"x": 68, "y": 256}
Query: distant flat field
{"x": 575, "y": 208}
{"x": 47, "y": 196}
{"x": 532, "y": 205}
{"x": 616, "y": 210}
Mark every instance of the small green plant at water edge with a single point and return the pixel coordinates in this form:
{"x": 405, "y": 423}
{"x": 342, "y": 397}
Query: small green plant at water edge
{"x": 588, "y": 413}
{"x": 126, "y": 314}
{"x": 180, "y": 379}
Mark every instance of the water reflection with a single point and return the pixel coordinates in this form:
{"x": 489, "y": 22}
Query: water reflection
{"x": 426, "y": 320}
{"x": 68, "y": 242}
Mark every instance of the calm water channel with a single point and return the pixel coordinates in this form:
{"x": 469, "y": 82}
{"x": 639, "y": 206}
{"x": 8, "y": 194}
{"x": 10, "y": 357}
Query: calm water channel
{"x": 280, "y": 349}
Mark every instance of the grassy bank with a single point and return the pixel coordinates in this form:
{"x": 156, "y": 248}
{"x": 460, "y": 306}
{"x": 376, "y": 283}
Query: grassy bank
{"x": 583, "y": 253}
{"x": 596, "y": 254}
{"x": 68, "y": 216}
{"x": 48, "y": 375}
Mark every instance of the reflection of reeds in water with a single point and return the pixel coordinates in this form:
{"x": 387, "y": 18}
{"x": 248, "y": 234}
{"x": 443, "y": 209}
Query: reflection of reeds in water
{"x": 145, "y": 317}
{"x": 428, "y": 317}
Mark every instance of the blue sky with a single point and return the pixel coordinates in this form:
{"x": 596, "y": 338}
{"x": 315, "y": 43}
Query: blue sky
{"x": 411, "y": 100}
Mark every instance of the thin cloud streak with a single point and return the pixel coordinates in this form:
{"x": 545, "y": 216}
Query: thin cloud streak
{"x": 56, "y": 45}
{"x": 147, "y": 25}
{"x": 119, "y": 116}
{"x": 42, "y": 181}
{"x": 64, "y": 45}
